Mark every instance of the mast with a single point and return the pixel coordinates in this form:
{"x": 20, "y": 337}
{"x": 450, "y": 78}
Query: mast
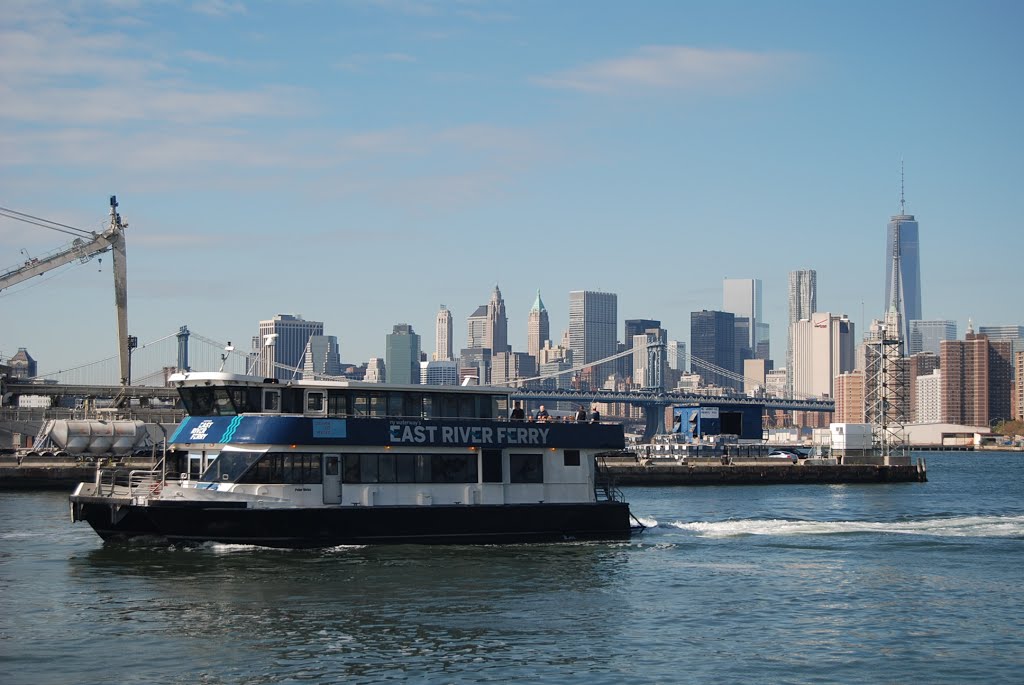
{"x": 117, "y": 244}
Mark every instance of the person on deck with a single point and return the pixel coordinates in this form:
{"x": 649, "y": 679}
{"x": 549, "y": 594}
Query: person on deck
{"x": 581, "y": 415}
{"x": 543, "y": 415}
{"x": 595, "y": 415}
{"x": 517, "y": 413}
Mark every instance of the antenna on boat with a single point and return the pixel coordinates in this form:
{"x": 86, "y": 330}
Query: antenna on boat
{"x": 228, "y": 349}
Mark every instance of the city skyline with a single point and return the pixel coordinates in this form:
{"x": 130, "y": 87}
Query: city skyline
{"x": 343, "y": 174}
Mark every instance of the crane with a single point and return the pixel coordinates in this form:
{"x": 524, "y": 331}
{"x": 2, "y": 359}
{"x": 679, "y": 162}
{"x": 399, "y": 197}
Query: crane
{"x": 85, "y": 246}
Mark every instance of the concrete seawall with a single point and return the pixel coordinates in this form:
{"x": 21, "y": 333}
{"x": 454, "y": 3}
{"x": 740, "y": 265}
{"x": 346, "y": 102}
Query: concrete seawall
{"x": 674, "y": 473}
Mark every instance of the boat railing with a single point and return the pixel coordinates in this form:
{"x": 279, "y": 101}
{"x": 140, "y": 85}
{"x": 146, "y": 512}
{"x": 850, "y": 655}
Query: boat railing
{"x": 605, "y": 489}
{"x": 135, "y": 483}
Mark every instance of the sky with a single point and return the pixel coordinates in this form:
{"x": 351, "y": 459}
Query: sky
{"x": 362, "y": 162}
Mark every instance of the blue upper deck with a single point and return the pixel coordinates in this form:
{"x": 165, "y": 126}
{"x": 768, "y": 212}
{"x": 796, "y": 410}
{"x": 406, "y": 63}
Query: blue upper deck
{"x": 233, "y": 409}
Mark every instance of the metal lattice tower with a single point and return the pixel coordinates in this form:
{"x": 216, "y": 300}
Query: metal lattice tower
{"x": 886, "y": 397}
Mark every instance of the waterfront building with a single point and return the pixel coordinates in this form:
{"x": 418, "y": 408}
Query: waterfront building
{"x": 977, "y": 379}
{"x": 22, "y": 366}
{"x": 920, "y": 364}
{"x": 713, "y": 348}
{"x": 903, "y": 271}
{"x": 928, "y": 397}
{"x": 803, "y": 301}
{"x": 375, "y": 371}
{"x": 742, "y": 297}
{"x": 538, "y": 328}
{"x": 593, "y": 319}
{"x": 439, "y": 372}
{"x": 849, "y": 389}
{"x": 280, "y": 347}
{"x": 1019, "y": 386}
{"x": 322, "y": 358}
{"x": 402, "y": 355}
{"x": 1014, "y": 334}
{"x": 823, "y": 348}
{"x": 443, "y": 336}
{"x": 925, "y": 336}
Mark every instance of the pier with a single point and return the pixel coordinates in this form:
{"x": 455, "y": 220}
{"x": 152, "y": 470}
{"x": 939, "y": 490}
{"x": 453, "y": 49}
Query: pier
{"x": 728, "y": 470}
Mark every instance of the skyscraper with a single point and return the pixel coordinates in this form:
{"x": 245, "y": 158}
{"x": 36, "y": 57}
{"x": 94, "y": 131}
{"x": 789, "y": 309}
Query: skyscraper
{"x": 925, "y": 336}
{"x": 402, "y": 355}
{"x": 496, "y": 332}
{"x": 443, "y": 336}
{"x": 322, "y": 357}
{"x": 280, "y": 347}
{"x": 742, "y": 297}
{"x": 903, "y": 270}
{"x": 823, "y": 348}
{"x": 538, "y": 328}
{"x": 803, "y": 301}
{"x": 593, "y": 318}
{"x": 713, "y": 344}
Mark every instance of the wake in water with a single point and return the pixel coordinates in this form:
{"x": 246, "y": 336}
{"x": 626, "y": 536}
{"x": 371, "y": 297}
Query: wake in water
{"x": 958, "y": 526}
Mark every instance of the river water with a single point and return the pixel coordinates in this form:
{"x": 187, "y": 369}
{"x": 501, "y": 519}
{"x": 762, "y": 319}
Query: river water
{"x": 895, "y": 583}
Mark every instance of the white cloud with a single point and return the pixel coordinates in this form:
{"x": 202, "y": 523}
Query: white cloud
{"x": 218, "y": 8}
{"x": 676, "y": 68}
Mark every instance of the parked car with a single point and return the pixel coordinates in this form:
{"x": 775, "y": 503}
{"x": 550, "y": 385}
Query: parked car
{"x": 792, "y": 454}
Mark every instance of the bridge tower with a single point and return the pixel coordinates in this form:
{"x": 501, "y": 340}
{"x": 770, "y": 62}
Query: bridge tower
{"x": 182, "y": 336}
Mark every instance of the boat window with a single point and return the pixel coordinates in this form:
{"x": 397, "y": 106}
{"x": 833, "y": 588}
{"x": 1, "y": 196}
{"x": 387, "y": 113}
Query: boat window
{"x": 338, "y": 403}
{"x": 525, "y": 468}
{"x": 571, "y": 458}
{"x": 386, "y": 469}
{"x": 224, "y": 404}
{"x": 378, "y": 404}
{"x": 467, "y": 406}
{"x": 229, "y": 466}
{"x": 395, "y": 407}
{"x": 412, "y": 405}
{"x": 491, "y": 466}
{"x": 198, "y": 401}
{"x": 453, "y": 468}
{"x": 298, "y": 468}
{"x": 350, "y": 468}
{"x": 272, "y": 401}
{"x": 422, "y": 474}
{"x": 499, "y": 405}
{"x": 411, "y": 468}
{"x": 368, "y": 468}
{"x": 315, "y": 402}
{"x": 292, "y": 400}
{"x": 405, "y": 468}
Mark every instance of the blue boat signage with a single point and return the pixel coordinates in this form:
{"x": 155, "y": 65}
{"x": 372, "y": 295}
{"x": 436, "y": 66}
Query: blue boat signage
{"x": 420, "y": 434}
{"x": 300, "y": 430}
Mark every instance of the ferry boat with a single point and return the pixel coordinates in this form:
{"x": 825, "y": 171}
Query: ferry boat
{"x": 328, "y": 463}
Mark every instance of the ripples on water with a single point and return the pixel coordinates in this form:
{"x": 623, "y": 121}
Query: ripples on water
{"x": 878, "y": 583}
